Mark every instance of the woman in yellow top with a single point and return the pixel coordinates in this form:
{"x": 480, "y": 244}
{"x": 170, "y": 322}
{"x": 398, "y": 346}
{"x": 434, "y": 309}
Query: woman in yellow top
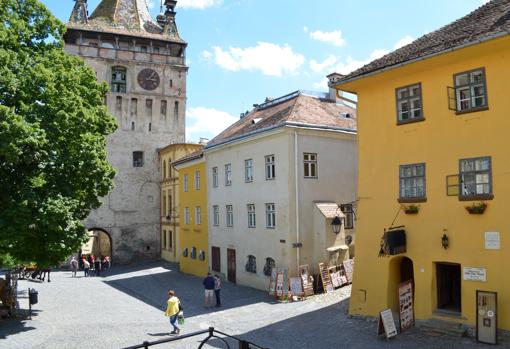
{"x": 172, "y": 310}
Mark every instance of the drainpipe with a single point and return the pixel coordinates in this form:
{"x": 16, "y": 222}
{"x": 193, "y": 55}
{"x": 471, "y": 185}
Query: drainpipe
{"x": 297, "y": 199}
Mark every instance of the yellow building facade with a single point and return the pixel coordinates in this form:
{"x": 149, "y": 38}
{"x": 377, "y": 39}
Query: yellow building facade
{"x": 170, "y": 198}
{"x": 433, "y": 139}
{"x": 193, "y": 230}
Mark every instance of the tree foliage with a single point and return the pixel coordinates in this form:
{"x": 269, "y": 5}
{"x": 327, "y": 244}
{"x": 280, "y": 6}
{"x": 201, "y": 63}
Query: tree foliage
{"x": 53, "y": 128}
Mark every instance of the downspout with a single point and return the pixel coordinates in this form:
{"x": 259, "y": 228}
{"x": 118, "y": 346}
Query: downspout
{"x": 297, "y": 200}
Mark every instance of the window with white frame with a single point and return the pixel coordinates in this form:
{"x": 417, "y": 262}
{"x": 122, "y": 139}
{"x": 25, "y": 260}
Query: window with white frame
{"x": 215, "y": 177}
{"x": 270, "y": 216}
{"x": 270, "y": 167}
{"x": 348, "y": 212}
{"x": 197, "y": 180}
{"x": 186, "y": 216}
{"x": 251, "y": 216}
{"x": 230, "y": 215}
{"x": 412, "y": 182}
{"x": 310, "y": 163}
{"x": 470, "y": 90}
{"x": 228, "y": 174}
{"x": 198, "y": 215}
{"x": 475, "y": 177}
{"x": 409, "y": 103}
{"x": 185, "y": 183}
{"x": 248, "y": 170}
{"x": 216, "y": 215}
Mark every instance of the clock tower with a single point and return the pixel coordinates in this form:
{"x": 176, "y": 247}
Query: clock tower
{"x": 143, "y": 62}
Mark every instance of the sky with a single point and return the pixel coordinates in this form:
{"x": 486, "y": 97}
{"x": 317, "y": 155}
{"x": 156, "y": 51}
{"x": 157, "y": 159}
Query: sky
{"x": 242, "y": 51}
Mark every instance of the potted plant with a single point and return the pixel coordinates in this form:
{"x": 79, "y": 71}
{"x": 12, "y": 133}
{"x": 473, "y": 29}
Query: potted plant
{"x": 411, "y": 209}
{"x": 477, "y": 208}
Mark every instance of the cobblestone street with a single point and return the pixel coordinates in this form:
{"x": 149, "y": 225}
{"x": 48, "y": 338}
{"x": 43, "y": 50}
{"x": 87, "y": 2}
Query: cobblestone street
{"x": 126, "y": 307}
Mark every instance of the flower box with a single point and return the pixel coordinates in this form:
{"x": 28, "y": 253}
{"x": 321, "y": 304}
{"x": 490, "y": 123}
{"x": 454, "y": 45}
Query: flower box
{"x": 477, "y": 208}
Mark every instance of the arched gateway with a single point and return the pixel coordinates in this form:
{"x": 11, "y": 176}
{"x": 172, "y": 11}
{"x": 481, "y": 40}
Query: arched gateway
{"x": 99, "y": 244}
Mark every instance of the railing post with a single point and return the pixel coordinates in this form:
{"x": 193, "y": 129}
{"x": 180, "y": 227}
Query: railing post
{"x": 244, "y": 345}
{"x": 211, "y": 331}
{"x": 146, "y": 344}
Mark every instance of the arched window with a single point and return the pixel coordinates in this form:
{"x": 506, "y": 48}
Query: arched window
{"x": 119, "y": 79}
{"x": 185, "y": 252}
{"x": 193, "y": 254}
{"x": 251, "y": 265}
{"x": 164, "y": 169}
{"x": 269, "y": 266}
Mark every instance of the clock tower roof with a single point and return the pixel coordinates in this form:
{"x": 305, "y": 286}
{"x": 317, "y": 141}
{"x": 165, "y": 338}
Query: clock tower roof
{"x": 127, "y": 17}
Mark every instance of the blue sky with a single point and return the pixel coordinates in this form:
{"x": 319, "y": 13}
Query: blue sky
{"x": 242, "y": 51}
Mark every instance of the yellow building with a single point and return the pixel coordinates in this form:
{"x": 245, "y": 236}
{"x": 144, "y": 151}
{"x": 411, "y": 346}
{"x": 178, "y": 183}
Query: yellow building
{"x": 170, "y": 198}
{"x": 433, "y": 121}
{"x": 193, "y": 210}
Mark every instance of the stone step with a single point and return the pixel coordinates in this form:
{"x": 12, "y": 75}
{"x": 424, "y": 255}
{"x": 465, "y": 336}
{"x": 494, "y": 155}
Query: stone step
{"x": 441, "y": 327}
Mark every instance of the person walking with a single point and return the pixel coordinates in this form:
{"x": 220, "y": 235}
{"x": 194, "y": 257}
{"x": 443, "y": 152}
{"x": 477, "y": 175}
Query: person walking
{"x": 97, "y": 265}
{"x": 74, "y": 266}
{"x": 209, "y": 290}
{"x": 86, "y": 267}
{"x": 217, "y": 289}
{"x": 172, "y": 311}
{"x": 91, "y": 262}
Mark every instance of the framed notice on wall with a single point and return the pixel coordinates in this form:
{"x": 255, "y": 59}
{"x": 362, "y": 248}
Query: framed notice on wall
{"x": 405, "y": 297}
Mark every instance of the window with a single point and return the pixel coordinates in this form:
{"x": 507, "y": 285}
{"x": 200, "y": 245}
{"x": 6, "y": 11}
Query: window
{"x": 163, "y": 240}
{"x": 148, "y": 107}
{"x": 197, "y": 180}
{"x": 155, "y": 49}
{"x": 176, "y": 110}
{"x": 251, "y": 265}
{"x": 412, "y": 182}
{"x": 163, "y": 213}
{"x": 143, "y": 48}
{"x": 409, "y": 103}
{"x": 162, "y": 109}
{"x": 310, "y": 163}
{"x": 215, "y": 177}
{"x": 270, "y": 264}
{"x": 270, "y": 170}
{"x": 164, "y": 169}
{"x": 228, "y": 174}
{"x": 169, "y": 168}
{"x": 251, "y": 216}
{"x": 270, "y": 216}
{"x": 138, "y": 159}
{"x": 170, "y": 241}
{"x": 198, "y": 215}
{"x": 118, "y": 104}
{"x": 248, "y": 170}
{"x": 132, "y": 125}
{"x": 150, "y": 127}
{"x": 216, "y": 215}
{"x": 476, "y": 177}
{"x": 230, "y": 216}
{"x": 186, "y": 215}
{"x": 349, "y": 216}
{"x": 470, "y": 90}
{"x": 118, "y": 84}
{"x": 193, "y": 253}
{"x": 185, "y": 183}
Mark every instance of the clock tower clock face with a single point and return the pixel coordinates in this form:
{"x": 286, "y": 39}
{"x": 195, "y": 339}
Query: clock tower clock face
{"x": 148, "y": 79}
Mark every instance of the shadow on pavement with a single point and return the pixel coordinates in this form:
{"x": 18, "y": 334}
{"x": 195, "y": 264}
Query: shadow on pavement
{"x": 151, "y": 282}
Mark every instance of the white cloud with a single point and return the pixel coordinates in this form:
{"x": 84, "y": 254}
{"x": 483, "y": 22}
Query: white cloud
{"x": 206, "y": 122}
{"x": 404, "y": 41}
{"x": 198, "y": 4}
{"x": 150, "y": 4}
{"x": 334, "y": 37}
{"x": 268, "y": 58}
{"x": 324, "y": 65}
{"x": 206, "y": 55}
{"x": 321, "y": 85}
{"x": 305, "y": 29}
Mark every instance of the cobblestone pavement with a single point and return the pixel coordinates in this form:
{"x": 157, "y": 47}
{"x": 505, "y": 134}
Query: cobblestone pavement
{"x": 126, "y": 307}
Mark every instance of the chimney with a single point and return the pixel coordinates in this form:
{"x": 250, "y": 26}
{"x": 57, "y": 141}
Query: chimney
{"x": 333, "y": 79}
{"x": 203, "y": 141}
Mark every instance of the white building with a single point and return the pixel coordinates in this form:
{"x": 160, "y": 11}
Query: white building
{"x": 300, "y": 148}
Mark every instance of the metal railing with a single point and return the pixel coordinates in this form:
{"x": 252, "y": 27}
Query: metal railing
{"x": 212, "y": 333}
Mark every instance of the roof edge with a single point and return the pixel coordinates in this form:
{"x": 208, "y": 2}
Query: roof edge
{"x": 418, "y": 59}
{"x": 188, "y": 159}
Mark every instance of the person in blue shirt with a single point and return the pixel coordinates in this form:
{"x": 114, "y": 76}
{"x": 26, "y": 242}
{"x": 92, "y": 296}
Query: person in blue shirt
{"x": 209, "y": 283}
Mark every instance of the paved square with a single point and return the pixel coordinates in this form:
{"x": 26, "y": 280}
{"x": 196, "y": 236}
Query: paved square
{"x": 125, "y": 308}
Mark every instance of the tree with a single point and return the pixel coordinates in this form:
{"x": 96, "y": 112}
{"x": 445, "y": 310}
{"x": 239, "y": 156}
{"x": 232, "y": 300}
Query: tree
{"x": 53, "y": 128}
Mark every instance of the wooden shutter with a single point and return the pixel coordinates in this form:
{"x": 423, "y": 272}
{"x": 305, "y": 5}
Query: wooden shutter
{"x": 215, "y": 255}
{"x": 452, "y": 185}
{"x": 452, "y": 98}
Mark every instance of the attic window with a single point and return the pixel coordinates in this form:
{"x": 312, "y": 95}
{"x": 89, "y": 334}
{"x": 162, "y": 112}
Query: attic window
{"x": 256, "y": 120}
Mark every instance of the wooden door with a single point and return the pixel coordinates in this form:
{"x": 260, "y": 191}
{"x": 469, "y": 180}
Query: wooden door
{"x": 231, "y": 265}
{"x": 216, "y": 259}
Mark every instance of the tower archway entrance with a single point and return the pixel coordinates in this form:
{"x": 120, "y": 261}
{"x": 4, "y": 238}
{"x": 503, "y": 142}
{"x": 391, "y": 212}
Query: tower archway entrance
{"x": 99, "y": 243}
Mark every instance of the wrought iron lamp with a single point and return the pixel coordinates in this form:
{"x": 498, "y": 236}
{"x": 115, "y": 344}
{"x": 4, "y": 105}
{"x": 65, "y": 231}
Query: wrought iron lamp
{"x": 445, "y": 241}
{"x": 336, "y": 224}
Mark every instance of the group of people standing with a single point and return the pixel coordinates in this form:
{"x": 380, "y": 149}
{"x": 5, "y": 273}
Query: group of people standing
{"x": 90, "y": 263}
{"x": 174, "y": 309}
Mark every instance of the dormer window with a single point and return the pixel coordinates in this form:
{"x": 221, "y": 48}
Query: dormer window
{"x": 119, "y": 79}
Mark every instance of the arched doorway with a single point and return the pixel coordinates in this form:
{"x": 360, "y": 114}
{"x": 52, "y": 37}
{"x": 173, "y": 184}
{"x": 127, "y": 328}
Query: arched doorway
{"x": 99, "y": 243}
{"x": 401, "y": 269}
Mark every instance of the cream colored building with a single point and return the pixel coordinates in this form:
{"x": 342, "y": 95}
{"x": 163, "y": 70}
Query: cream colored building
{"x": 265, "y": 175}
{"x": 170, "y": 222}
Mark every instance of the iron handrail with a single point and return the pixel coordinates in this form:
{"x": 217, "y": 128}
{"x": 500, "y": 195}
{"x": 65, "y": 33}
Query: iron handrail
{"x": 211, "y": 331}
